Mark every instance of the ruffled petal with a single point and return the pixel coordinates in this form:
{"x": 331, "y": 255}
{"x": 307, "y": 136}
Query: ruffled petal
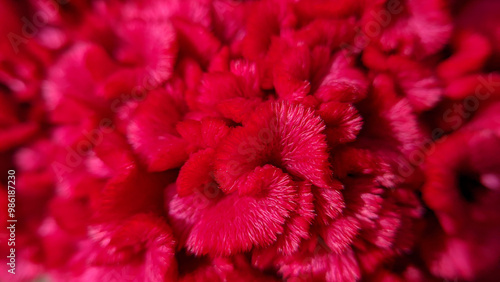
{"x": 278, "y": 134}
{"x": 235, "y": 224}
{"x": 152, "y": 133}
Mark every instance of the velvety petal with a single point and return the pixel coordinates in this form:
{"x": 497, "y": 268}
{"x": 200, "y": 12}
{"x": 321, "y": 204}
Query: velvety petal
{"x": 292, "y": 74}
{"x": 217, "y": 86}
{"x": 113, "y": 150}
{"x": 340, "y": 234}
{"x": 328, "y": 202}
{"x": 235, "y": 223}
{"x": 238, "y": 109}
{"x": 343, "y": 83}
{"x": 189, "y": 34}
{"x": 260, "y": 27}
{"x": 326, "y": 32}
{"x": 342, "y": 120}
{"x": 298, "y": 225}
{"x": 471, "y": 52}
{"x": 412, "y": 29}
{"x": 73, "y": 78}
{"x": 156, "y": 62}
{"x": 206, "y": 133}
{"x": 152, "y": 133}
{"x": 196, "y": 172}
{"x": 317, "y": 263}
{"x": 142, "y": 237}
{"x": 278, "y": 134}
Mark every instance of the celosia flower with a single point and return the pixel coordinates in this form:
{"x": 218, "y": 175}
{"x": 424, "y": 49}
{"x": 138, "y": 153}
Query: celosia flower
{"x": 249, "y": 140}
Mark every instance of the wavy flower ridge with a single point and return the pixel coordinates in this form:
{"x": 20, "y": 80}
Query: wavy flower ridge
{"x": 268, "y": 140}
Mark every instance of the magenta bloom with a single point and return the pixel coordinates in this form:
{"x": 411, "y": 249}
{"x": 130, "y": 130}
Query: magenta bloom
{"x": 268, "y": 140}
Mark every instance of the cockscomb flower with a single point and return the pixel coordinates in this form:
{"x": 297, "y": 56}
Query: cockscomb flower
{"x": 374, "y": 226}
{"x": 250, "y": 140}
{"x": 261, "y": 168}
{"x": 267, "y": 185}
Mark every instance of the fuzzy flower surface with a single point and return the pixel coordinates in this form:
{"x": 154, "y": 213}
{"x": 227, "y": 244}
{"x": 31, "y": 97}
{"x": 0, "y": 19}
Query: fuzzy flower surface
{"x": 269, "y": 140}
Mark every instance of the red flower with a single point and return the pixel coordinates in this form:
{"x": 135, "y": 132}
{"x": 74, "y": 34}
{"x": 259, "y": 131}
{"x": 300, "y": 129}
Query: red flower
{"x": 250, "y": 140}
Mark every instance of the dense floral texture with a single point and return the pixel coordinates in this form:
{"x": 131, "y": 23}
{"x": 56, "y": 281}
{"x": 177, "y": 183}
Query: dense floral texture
{"x": 223, "y": 140}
